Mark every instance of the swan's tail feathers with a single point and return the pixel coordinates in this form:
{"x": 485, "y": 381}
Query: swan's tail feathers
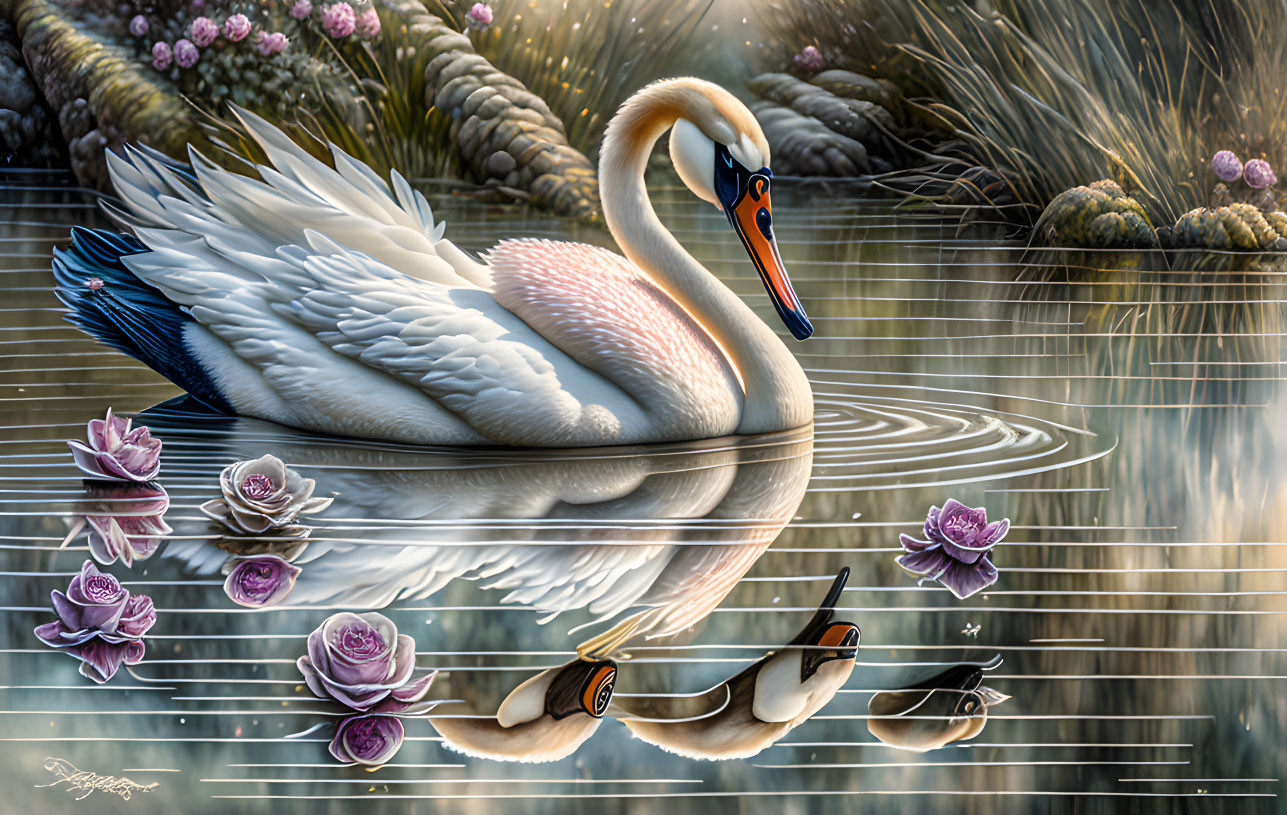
{"x": 111, "y": 304}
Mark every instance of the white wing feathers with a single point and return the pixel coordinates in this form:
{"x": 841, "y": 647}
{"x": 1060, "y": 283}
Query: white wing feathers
{"x": 328, "y": 281}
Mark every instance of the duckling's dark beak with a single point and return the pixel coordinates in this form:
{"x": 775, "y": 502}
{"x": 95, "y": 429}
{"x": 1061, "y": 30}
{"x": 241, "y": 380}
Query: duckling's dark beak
{"x": 581, "y": 687}
{"x": 824, "y": 639}
{"x": 744, "y": 197}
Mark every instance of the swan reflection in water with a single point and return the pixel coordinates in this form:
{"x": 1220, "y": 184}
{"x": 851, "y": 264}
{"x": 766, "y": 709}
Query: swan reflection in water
{"x": 665, "y": 530}
{"x": 649, "y": 538}
{"x": 749, "y": 712}
{"x": 947, "y": 707}
{"x": 550, "y": 715}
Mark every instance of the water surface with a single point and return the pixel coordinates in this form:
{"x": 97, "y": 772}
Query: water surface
{"x": 1127, "y": 421}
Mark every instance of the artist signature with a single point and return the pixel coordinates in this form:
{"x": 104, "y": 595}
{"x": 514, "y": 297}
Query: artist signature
{"x": 87, "y": 783}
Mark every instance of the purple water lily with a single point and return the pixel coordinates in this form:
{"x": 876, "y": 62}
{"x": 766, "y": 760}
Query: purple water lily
{"x": 264, "y": 496}
{"x": 126, "y": 521}
{"x": 99, "y": 623}
{"x": 117, "y": 452}
{"x": 262, "y": 581}
{"x": 955, "y": 552}
{"x": 370, "y": 740}
{"x": 362, "y": 662}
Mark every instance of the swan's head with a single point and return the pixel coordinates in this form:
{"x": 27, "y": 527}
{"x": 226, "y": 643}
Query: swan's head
{"x": 721, "y": 154}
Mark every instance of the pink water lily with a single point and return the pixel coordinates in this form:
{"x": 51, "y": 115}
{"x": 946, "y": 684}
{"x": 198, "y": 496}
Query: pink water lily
{"x": 117, "y": 452}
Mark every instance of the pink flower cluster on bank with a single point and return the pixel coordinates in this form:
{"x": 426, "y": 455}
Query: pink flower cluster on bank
{"x": 202, "y": 33}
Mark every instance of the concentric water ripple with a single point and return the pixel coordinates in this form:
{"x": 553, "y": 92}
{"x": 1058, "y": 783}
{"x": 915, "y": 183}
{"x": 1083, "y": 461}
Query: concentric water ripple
{"x": 868, "y": 440}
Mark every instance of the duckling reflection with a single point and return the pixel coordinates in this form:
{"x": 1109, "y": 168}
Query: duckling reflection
{"x": 761, "y": 704}
{"x": 951, "y": 706}
{"x": 545, "y": 718}
{"x": 666, "y": 530}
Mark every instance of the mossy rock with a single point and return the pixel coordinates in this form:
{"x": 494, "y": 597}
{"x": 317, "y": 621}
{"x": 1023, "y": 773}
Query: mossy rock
{"x": 816, "y": 131}
{"x": 1097, "y": 216}
{"x": 1237, "y": 226}
{"x": 98, "y": 92}
{"x": 505, "y": 134}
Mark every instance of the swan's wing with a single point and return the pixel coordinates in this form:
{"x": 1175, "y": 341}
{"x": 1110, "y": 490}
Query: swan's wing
{"x": 323, "y": 325}
{"x": 350, "y": 203}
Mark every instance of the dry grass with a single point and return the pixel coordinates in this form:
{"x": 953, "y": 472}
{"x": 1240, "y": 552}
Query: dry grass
{"x": 585, "y": 57}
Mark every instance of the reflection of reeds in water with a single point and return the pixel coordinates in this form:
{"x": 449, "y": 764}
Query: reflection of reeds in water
{"x": 585, "y": 57}
{"x": 1064, "y": 93}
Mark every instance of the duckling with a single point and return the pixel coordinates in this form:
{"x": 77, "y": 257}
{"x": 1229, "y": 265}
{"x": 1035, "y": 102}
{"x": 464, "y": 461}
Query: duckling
{"x": 948, "y": 707}
{"x": 760, "y": 705}
{"x": 545, "y": 718}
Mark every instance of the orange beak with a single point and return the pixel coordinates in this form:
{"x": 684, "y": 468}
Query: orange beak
{"x": 752, "y": 217}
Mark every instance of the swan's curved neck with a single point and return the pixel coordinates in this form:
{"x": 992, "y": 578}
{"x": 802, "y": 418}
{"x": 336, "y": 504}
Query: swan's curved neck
{"x": 777, "y": 392}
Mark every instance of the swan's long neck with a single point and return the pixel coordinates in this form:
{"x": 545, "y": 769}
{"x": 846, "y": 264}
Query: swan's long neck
{"x": 777, "y": 392}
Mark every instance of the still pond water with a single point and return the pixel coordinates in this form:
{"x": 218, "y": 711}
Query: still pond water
{"x": 1127, "y": 420}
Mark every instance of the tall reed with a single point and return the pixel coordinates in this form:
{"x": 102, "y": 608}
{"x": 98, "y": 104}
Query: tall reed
{"x": 1064, "y": 92}
{"x": 585, "y": 57}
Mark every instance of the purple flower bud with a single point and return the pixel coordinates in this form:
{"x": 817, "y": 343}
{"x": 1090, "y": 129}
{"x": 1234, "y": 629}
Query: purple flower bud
{"x": 203, "y": 31}
{"x": 236, "y": 28}
{"x": 1227, "y": 166}
{"x": 339, "y": 20}
{"x": 810, "y": 59}
{"x": 186, "y": 54}
{"x": 368, "y": 24}
{"x": 115, "y": 451}
{"x": 368, "y": 740}
{"x": 301, "y": 9}
{"x": 1259, "y": 174}
{"x": 479, "y": 17}
{"x": 138, "y": 25}
{"x": 161, "y": 57}
{"x": 260, "y": 581}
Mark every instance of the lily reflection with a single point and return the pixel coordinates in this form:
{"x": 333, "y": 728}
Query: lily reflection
{"x": 760, "y": 705}
{"x": 545, "y": 718}
{"x": 664, "y": 532}
{"x": 126, "y": 520}
{"x": 950, "y": 706}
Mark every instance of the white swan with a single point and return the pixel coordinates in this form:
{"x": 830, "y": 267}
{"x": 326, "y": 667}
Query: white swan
{"x": 327, "y": 299}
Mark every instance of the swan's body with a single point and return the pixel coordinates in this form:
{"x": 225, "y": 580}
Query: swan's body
{"x": 327, "y": 299}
